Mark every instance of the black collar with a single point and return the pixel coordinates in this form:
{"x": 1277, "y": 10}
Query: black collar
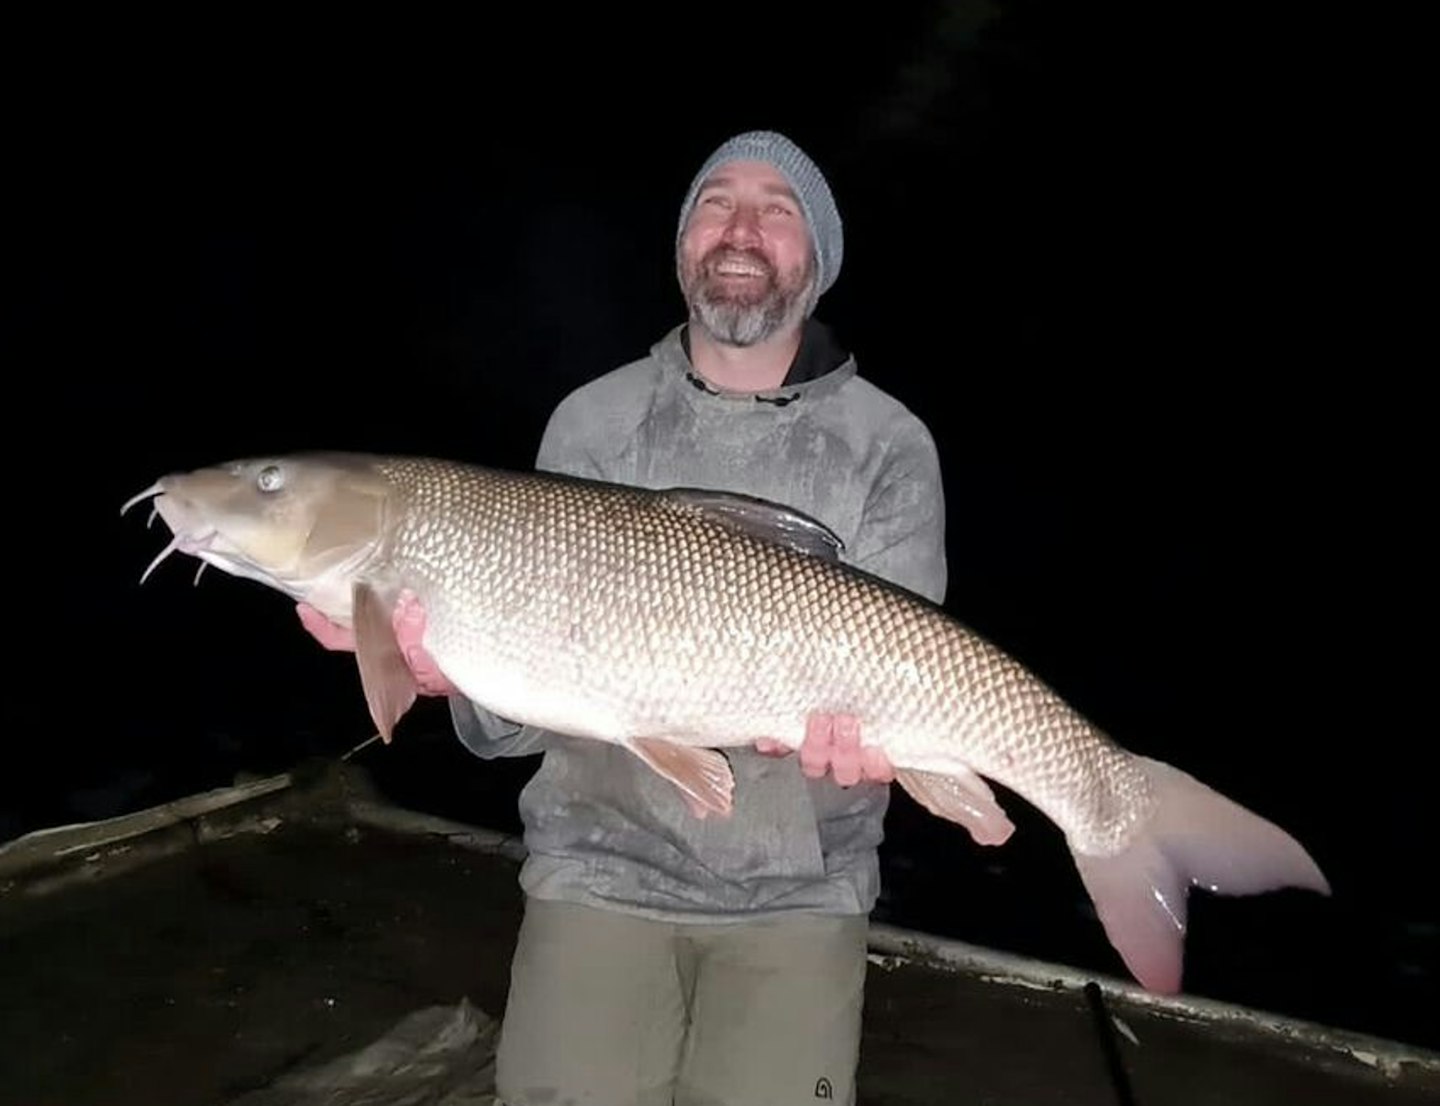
{"x": 819, "y": 353}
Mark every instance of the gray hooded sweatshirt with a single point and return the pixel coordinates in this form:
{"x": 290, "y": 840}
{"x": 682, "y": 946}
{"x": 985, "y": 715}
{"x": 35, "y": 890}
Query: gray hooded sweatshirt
{"x": 602, "y": 828}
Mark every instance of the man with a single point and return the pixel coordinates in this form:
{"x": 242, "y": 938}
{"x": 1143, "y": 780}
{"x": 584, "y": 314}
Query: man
{"x": 666, "y": 958}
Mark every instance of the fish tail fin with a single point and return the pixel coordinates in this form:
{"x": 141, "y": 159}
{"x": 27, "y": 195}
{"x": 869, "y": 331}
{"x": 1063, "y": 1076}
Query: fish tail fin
{"x": 1196, "y": 836}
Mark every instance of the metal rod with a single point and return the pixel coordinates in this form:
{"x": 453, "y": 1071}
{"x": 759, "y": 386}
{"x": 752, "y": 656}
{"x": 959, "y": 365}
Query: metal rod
{"x": 1106, "y": 1031}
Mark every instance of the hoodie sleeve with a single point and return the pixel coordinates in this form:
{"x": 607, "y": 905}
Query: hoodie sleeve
{"x": 488, "y": 736}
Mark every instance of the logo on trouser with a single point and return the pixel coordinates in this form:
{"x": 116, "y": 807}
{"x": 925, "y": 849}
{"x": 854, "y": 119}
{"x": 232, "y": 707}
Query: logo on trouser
{"x": 823, "y": 1088}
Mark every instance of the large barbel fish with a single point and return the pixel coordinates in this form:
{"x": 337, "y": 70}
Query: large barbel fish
{"x": 678, "y": 622}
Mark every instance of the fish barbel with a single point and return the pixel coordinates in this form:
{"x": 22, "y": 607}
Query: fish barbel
{"x": 678, "y": 622}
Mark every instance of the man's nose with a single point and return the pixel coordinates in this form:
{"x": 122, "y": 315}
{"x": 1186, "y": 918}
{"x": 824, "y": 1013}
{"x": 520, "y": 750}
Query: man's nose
{"x": 743, "y": 227}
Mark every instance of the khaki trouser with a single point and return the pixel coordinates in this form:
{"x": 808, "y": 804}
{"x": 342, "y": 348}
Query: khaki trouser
{"x": 610, "y": 1009}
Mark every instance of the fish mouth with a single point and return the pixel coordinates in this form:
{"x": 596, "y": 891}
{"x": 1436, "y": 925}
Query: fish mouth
{"x": 197, "y": 543}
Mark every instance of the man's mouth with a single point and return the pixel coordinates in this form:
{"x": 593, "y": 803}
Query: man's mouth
{"x": 739, "y": 267}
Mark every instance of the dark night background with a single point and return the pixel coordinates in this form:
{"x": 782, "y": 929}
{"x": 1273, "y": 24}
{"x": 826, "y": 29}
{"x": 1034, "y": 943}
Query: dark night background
{"x": 1140, "y": 278}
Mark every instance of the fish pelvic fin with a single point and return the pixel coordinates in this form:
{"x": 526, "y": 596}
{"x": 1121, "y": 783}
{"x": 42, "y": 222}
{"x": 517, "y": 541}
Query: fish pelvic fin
{"x": 389, "y": 684}
{"x": 1196, "y": 837}
{"x": 961, "y": 797}
{"x": 702, "y": 775}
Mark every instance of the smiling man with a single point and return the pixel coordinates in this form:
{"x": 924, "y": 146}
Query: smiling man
{"x": 665, "y": 958}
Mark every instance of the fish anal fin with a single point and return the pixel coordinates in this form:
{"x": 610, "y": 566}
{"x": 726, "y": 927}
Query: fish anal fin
{"x": 962, "y": 797}
{"x": 702, "y": 775}
{"x": 388, "y": 682}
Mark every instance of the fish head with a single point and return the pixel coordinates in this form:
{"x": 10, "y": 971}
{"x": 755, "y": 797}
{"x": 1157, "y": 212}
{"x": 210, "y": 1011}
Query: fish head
{"x": 305, "y": 525}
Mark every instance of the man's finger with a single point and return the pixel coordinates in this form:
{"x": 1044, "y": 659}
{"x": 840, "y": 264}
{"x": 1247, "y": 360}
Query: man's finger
{"x": 815, "y": 752}
{"x": 323, "y": 630}
{"x": 408, "y": 619}
{"x": 845, "y": 754}
{"x": 876, "y": 765}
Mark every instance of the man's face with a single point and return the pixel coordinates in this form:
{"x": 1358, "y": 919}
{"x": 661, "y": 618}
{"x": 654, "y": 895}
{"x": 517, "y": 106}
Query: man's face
{"x": 745, "y": 257}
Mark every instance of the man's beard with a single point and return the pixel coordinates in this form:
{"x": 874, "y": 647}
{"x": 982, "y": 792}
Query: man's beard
{"x": 745, "y": 318}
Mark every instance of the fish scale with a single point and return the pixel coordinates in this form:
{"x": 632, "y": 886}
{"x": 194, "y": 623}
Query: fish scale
{"x": 678, "y": 623}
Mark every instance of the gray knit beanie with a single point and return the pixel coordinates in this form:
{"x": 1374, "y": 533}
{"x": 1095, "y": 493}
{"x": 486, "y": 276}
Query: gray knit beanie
{"x": 816, "y": 202}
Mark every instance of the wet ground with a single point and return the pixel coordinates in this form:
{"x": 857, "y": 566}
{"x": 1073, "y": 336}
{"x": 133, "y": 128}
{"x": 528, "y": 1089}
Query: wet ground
{"x": 218, "y": 953}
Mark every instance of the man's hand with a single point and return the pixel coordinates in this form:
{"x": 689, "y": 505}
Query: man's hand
{"x": 832, "y": 744}
{"x": 327, "y": 633}
{"x": 408, "y": 621}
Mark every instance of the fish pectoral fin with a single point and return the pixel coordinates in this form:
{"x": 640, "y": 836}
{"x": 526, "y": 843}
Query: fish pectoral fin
{"x": 702, "y": 775}
{"x": 962, "y": 797}
{"x": 388, "y": 682}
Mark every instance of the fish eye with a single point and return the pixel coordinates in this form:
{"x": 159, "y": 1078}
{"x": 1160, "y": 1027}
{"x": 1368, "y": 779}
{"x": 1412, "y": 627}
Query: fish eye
{"x": 270, "y": 479}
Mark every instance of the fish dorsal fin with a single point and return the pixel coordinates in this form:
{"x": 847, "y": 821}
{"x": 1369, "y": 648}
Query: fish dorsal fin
{"x": 388, "y": 682}
{"x": 763, "y": 519}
